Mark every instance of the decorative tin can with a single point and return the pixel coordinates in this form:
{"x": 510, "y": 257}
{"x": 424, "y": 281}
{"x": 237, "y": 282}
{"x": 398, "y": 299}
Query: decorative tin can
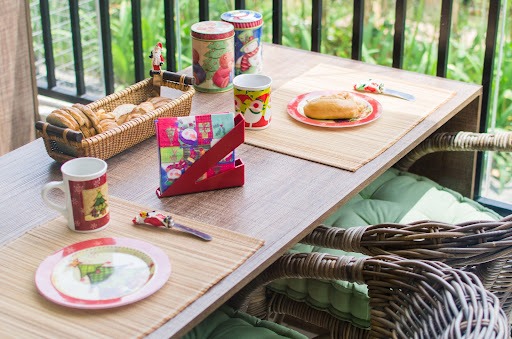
{"x": 248, "y": 28}
{"x": 213, "y": 56}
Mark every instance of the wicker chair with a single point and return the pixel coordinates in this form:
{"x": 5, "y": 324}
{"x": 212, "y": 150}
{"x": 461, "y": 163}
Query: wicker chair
{"x": 408, "y": 298}
{"x": 457, "y": 141}
{"x": 482, "y": 247}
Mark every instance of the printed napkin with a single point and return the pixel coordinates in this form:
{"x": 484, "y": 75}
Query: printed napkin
{"x": 183, "y": 140}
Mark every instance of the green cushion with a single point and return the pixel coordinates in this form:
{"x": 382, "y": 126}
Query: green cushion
{"x": 395, "y": 196}
{"x": 226, "y": 323}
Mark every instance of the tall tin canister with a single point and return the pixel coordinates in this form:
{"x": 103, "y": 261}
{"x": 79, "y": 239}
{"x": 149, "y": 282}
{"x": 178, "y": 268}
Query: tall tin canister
{"x": 248, "y": 28}
{"x": 213, "y": 56}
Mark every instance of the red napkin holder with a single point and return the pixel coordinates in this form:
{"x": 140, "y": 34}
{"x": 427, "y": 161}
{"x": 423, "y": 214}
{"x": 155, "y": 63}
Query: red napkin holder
{"x": 187, "y": 182}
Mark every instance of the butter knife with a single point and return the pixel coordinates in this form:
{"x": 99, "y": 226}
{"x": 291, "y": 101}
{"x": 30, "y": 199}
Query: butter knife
{"x": 376, "y": 86}
{"x": 170, "y": 223}
{"x": 156, "y": 219}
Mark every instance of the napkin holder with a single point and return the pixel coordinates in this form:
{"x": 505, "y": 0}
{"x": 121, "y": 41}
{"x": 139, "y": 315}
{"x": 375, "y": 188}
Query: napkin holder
{"x": 188, "y": 181}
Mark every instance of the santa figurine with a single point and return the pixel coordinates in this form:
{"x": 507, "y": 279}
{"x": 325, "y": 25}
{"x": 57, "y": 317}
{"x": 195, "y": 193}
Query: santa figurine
{"x": 156, "y": 55}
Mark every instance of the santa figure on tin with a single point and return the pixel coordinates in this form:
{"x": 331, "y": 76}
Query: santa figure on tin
{"x": 250, "y": 59}
{"x": 156, "y": 55}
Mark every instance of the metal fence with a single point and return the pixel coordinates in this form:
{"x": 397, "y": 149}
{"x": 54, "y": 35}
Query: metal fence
{"x": 49, "y": 87}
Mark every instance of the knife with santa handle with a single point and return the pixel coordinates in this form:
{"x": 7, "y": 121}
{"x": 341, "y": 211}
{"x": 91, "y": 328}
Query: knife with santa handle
{"x": 376, "y": 86}
{"x": 154, "y": 218}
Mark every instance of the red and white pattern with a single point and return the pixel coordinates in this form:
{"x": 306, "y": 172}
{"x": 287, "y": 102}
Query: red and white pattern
{"x": 245, "y": 64}
{"x": 77, "y": 202}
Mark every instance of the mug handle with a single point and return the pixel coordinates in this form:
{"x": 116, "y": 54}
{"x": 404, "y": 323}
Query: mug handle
{"x": 44, "y": 193}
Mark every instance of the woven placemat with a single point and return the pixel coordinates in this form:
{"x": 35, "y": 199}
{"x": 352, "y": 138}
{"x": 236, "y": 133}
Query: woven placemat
{"x": 196, "y": 266}
{"x": 351, "y": 147}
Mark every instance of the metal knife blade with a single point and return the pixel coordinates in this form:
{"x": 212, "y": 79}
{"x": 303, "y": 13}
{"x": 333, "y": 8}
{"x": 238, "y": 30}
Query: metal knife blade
{"x": 398, "y": 94}
{"x": 192, "y": 231}
{"x": 376, "y": 86}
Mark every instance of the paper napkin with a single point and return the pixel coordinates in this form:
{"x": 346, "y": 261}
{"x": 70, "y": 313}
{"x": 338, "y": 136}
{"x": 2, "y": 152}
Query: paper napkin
{"x": 183, "y": 140}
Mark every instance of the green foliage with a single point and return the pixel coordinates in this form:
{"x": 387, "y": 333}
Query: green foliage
{"x": 502, "y": 170}
{"x": 122, "y": 43}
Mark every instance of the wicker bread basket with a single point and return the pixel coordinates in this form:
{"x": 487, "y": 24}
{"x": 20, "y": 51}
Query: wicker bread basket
{"x": 63, "y": 144}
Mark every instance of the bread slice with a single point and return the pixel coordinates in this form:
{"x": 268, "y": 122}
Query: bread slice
{"x": 331, "y": 107}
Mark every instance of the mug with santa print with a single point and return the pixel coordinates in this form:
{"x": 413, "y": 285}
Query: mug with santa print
{"x": 252, "y": 99}
{"x": 84, "y": 184}
{"x": 248, "y": 49}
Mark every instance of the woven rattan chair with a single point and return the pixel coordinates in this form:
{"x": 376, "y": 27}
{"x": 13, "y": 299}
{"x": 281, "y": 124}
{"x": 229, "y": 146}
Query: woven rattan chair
{"x": 408, "y": 298}
{"x": 482, "y": 247}
{"x": 457, "y": 141}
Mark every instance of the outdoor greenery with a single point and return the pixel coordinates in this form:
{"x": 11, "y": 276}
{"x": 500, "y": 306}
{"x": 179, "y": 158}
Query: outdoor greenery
{"x": 466, "y": 52}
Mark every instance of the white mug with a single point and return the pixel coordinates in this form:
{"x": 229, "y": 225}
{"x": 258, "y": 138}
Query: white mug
{"x": 86, "y": 194}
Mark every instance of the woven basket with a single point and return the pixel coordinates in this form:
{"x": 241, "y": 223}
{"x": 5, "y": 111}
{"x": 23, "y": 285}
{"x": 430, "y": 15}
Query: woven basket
{"x": 65, "y": 144}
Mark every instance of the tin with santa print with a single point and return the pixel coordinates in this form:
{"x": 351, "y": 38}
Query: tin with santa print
{"x": 248, "y": 49}
{"x": 213, "y": 56}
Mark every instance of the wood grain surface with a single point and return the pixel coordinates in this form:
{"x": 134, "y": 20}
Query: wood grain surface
{"x": 345, "y": 148}
{"x": 283, "y": 199}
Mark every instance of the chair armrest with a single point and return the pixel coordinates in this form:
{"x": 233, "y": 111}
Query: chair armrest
{"x": 457, "y": 141}
{"x": 482, "y": 247}
{"x": 468, "y": 243}
{"x": 407, "y": 297}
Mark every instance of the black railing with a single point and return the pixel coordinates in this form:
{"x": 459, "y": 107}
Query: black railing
{"x": 487, "y": 77}
{"x": 50, "y": 88}
{"x": 106, "y": 43}
{"x": 357, "y": 30}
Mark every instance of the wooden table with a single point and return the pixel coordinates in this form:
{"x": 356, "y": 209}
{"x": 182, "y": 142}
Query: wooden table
{"x": 265, "y": 207}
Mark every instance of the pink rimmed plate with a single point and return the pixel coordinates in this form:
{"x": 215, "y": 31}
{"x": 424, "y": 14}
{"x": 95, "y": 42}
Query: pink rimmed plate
{"x": 103, "y": 273}
{"x": 372, "y": 112}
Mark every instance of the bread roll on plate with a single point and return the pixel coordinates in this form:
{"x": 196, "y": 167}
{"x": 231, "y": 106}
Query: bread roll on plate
{"x": 331, "y": 107}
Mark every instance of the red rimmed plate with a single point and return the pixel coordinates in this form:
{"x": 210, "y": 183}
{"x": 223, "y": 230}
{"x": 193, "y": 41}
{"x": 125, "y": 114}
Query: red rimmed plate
{"x": 103, "y": 273}
{"x": 372, "y": 112}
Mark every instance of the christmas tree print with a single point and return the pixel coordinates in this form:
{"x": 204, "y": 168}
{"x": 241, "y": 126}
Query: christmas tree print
{"x": 219, "y": 129}
{"x": 100, "y": 205}
{"x": 95, "y": 272}
{"x": 170, "y": 133}
{"x": 211, "y": 63}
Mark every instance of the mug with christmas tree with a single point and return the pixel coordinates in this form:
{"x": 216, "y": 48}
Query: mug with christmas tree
{"x": 86, "y": 194}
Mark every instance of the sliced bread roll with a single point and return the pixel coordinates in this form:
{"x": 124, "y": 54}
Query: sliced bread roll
{"x": 62, "y": 119}
{"x": 121, "y": 112}
{"x": 331, "y": 107}
{"x": 95, "y": 121}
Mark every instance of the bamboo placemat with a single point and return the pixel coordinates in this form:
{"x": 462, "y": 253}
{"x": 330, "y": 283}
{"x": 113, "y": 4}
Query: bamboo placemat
{"x": 351, "y": 147}
{"x": 196, "y": 266}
